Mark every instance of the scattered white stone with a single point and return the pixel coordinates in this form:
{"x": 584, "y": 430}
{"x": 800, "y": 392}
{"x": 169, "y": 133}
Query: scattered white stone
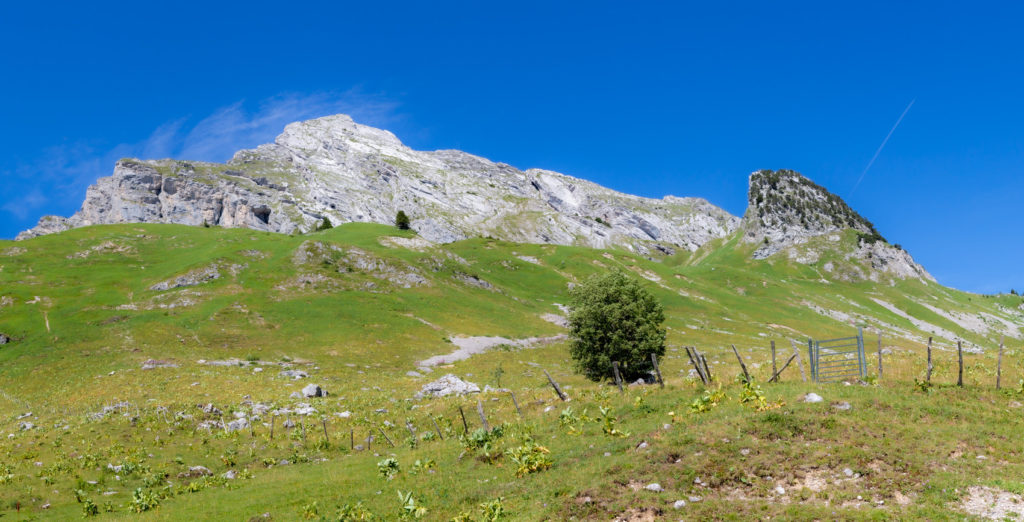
{"x": 842, "y": 406}
{"x": 813, "y": 397}
{"x": 780, "y": 490}
{"x": 654, "y": 487}
{"x": 230, "y": 474}
{"x": 848, "y": 472}
{"x": 343, "y": 414}
{"x": 679, "y": 504}
{"x": 257, "y": 370}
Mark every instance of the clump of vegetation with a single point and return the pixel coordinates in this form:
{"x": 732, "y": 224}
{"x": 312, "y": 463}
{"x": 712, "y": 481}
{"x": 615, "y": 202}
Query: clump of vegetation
{"x": 614, "y": 318}
{"x": 707, "y": 401}
{"x": 402, "y": 220}
{"x": 530, "y": 458}
{"x": 409, "y": 509}
{"x": 388, "y": 468}
{"x": 354, "y": 512}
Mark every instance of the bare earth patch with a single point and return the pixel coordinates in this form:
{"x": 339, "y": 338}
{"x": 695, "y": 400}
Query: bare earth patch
{"x": 993, "y": 504}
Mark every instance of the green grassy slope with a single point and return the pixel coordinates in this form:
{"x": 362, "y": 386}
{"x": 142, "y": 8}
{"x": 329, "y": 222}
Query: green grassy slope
{"x": 84, "y": 319}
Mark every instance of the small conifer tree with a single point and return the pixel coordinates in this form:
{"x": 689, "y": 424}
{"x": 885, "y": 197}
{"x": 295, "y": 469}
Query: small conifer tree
{"x": 402, "y": 220}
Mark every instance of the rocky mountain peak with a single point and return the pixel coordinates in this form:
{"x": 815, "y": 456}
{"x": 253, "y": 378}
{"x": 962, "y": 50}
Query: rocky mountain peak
{"x": 785, "y": 207}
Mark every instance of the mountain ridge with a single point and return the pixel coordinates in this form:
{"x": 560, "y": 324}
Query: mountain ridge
{"x": 336, "y": 168}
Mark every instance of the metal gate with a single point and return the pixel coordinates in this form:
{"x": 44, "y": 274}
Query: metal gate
{"x": 834, "y": 360}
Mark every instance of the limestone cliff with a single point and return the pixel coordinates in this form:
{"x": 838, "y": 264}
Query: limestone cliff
{"x": 333, "y": 167}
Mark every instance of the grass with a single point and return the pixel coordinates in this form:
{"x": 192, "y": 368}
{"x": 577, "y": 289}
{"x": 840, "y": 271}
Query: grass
{"x": 357, "y": 333}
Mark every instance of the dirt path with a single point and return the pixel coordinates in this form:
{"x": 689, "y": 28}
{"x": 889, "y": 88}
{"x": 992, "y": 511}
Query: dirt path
{"x": 468, "y": 346}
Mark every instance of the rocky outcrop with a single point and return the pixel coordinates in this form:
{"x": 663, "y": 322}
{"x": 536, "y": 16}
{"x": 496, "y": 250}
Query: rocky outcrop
{"x": 786, "y": 209}
{"x": 333, "y": 167}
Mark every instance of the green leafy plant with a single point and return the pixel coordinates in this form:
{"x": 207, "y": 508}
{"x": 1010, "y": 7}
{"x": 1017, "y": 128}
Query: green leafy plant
{"x": 354, "y": 512}
{"x": 707, "y": 401}
{"x": 408, "y": 508}
{"x": 143, "y": 500}
{"x": 530, "y": 458}
{"x": 388, "y": 468}
{"x": 608, "y": 424}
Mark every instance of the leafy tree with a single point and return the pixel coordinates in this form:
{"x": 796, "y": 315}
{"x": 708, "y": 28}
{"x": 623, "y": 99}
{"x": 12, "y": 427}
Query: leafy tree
{"x": 402, "y": 220}
{"x": 326, "y": 225}
{"x": 614, "y": 318}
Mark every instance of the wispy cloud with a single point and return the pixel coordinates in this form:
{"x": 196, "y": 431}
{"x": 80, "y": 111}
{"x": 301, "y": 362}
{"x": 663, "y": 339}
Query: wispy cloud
{"x": 56, "y": 183}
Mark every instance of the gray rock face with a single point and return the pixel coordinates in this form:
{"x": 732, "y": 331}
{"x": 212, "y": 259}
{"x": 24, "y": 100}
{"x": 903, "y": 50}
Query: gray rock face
{"x": 785, "y": 209}
{"x": 333, "y": 167}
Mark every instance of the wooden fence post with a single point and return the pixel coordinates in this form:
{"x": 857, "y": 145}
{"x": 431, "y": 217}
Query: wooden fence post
{"x": 618, "y": 376}
{"x": 999, "y": 365}
{"x": 303, "y": 423}
{"x": 516, "y": 403}
{"x": 695, "y": 360}
{"x": 928, "y": 377}
{"x": 774, "y": 369}
{"x": 483, "y": 419}
{"x": 352, "y": 439}
{"x": 323, "y": 421}
{"x": 746, "y": 375}
{"x": 381, "y": 430}
{"x": 879, "y": 355}
{"x": 707, "y": 369}
{"x": 438, "y": 428}
{"x": 657, "y": 371}
{"x": 273, "y": 418}
{"x": 960, "y": 357}
{"x": 554, "y": 385}
{"x": 465, "y": 427}
{"x": 412, "y": 432}
{"x": 799, "y": 363}
{"x": 784, "y": 366}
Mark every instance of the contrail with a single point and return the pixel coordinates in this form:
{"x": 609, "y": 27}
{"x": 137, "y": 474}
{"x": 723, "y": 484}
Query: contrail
{"x": 882, "y": 146}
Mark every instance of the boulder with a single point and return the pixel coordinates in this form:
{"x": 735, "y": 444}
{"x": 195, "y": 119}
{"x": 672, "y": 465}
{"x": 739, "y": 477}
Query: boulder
{"x": 313, "y": 390}
{"x": 447, "y": 385}
{"x": 4, "y": 338}
{"x": 237, "y": 424}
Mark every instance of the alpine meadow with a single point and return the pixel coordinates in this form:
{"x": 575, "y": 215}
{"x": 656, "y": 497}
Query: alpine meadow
{"x": 334, "y": 326}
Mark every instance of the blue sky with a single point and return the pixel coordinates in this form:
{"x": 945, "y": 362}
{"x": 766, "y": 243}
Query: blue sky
{"x": 649, "y": 98}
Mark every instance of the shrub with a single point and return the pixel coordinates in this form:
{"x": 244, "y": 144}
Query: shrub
{"x": 614, "y": 318}
{"x": 325, "y": 225}
{"x": 402, "y": 220}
